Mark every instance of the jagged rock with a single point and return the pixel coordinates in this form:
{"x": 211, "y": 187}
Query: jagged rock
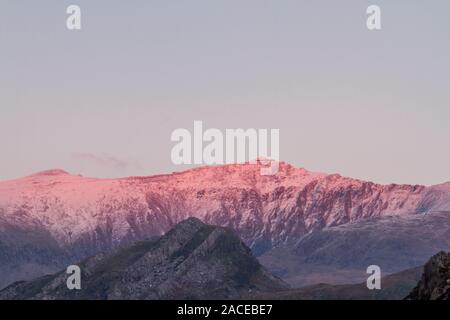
{"x": 435, "y": 282}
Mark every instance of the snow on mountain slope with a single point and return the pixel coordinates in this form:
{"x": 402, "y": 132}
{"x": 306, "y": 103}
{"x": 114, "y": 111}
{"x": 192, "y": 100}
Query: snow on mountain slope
{"x": 84, "y": 212}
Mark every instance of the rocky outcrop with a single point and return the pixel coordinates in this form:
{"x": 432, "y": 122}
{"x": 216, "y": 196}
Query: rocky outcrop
{"x": 435, "y": 281}
{"x": 192, "y": 261}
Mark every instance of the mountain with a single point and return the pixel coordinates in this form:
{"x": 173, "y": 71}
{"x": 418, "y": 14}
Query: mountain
{"x": 393, "y": 287}
{"x": 192, "y": 261}
{"x": 28, "y": 251}
{"x": 435, "y": 281}
{"x": 341, "y": 254}
{"x": 69, "y": 217}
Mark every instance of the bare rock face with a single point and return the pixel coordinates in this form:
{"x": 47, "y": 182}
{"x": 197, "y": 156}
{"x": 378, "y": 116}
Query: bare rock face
{"x": 192, "y": 261}
{"x": 435, "y": 282}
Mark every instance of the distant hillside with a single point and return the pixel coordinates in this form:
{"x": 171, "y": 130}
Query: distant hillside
{"x": 341, "y": 254}
{"x": 393, "y": 287}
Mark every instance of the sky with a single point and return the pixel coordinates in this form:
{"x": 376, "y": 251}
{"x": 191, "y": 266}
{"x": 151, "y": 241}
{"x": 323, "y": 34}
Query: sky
{"x": 103, "y": 101}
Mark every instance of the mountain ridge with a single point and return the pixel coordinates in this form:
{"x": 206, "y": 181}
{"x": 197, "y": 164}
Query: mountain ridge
{"x": 191, "y": 261}
{"x": 86, "y": 215}
{"x": 60, "y": 171}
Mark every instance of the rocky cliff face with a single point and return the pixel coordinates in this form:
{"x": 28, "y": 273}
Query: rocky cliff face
{"x": 82, "y": 216}
{"x": 435, "y": 282}
{"x": 192, "y": 261}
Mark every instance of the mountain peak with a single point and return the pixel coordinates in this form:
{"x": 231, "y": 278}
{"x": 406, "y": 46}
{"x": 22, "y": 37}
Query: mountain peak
{"x": 207, "y": 262}
{"x": 191, "y": 222}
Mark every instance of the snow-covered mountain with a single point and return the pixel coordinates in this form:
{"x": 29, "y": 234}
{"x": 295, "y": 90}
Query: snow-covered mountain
{"x": 264, "y": 210}
{"x": 52, "y": 218}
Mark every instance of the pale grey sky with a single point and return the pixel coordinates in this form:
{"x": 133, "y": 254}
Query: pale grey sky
{"x": 103, "y": 101}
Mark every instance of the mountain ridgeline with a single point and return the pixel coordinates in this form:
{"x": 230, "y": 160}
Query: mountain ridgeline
{"x": 52, "y": 219}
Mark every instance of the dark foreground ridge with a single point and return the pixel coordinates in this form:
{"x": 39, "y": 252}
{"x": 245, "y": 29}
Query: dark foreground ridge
{"x": 191, "y": 261}
{"x": 435, "y": 282}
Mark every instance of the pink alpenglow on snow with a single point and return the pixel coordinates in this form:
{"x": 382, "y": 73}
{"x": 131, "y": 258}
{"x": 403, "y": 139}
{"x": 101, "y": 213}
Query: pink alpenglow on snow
{"x": 274, "y": 208}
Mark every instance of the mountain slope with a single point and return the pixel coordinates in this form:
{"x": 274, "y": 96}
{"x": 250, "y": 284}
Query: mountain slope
{"x": 393, "y": 287}
{"x": 27, "y": 251}
{"x": 270, "y": 208}
{"x": 82, "y": 216}
{"x": 192, "y": 261}
{"x": 341, "y": 254}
